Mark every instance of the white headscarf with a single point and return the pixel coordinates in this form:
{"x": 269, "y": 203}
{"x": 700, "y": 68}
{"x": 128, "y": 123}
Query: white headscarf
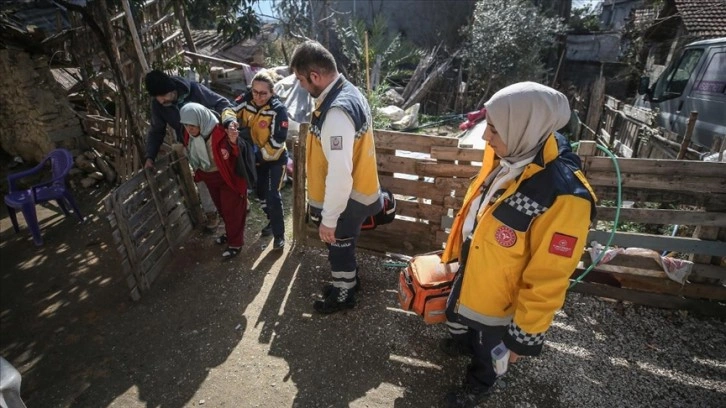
{"x": 198, "y": 115}
{"x": 524, "y": 114}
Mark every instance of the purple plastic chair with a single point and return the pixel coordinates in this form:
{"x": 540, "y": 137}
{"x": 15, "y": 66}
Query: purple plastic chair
{"x": 54, "y": 189}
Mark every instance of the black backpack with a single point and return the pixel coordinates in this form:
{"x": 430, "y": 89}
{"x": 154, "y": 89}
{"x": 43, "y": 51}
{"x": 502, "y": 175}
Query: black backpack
{"x": 385, "y": 216}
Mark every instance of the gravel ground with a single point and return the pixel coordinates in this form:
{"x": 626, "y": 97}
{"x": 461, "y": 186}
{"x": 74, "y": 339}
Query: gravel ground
{"x": 243, "y": 334}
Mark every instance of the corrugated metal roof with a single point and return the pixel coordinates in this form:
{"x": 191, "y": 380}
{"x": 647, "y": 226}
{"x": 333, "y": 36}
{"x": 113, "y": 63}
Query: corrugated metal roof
{"x": 703, "y": 18}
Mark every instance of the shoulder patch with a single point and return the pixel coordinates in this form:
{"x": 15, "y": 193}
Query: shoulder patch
{"x": 283, "y": 124}
{"x": 336, "y": 143}
{"x": 562, "y": 245}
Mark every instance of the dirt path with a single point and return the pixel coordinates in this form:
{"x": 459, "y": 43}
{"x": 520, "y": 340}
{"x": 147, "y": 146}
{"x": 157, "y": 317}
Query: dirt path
{"x": 242, "y": 334}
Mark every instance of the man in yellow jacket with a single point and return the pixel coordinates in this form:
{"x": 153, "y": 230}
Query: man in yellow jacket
{"x": 518, "y": 236}
{"x": 342, "y": 172}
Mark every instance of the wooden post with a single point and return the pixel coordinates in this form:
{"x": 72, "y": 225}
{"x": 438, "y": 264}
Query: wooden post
{"x": 189, "y": 189}
{"x": 689, "y": 133}
{"x": 135, "y": 36}
{"x": 179, "y": 12}
{"x": 299, "y": 234}
{"x": 368, "y": 75}
{"x": 596, "y": 104}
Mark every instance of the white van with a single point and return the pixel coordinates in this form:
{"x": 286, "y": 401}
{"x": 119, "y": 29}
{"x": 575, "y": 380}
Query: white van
{"x": 694, "y": 82}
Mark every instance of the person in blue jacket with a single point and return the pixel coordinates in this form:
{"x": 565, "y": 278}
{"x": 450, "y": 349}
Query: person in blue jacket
{"x": 169, "y": 94}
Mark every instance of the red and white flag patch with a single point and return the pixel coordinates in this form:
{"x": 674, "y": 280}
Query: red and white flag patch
{"x": 563, "y": 245}
{"x": 283, "y": 124}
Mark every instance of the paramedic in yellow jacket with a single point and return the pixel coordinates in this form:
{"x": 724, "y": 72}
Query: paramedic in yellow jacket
{"x": 518, "y": 236}
{"x": 265, "y": 116}
{"x": 342, "y": 174}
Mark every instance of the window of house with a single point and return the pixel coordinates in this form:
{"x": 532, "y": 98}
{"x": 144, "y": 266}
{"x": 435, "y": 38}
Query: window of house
{"x": 676, "y": 77}
{"x": 714, "y": 79}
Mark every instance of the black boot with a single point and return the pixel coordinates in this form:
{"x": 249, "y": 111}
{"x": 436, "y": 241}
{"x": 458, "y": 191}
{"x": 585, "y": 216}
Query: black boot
{"x": 337, "y": 299}
{"x": 329, "y": 287}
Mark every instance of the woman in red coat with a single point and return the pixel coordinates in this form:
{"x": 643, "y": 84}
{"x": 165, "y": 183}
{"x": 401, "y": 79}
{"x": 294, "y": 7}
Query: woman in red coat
{"x": 213, "y": 152}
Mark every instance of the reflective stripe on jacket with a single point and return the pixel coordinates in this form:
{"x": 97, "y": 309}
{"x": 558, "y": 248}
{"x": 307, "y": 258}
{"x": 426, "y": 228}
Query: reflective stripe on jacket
{"x": 525, "y": 246}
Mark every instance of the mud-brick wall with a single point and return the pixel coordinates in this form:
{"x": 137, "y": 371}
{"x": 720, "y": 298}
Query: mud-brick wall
{"x": 35, "y": 114}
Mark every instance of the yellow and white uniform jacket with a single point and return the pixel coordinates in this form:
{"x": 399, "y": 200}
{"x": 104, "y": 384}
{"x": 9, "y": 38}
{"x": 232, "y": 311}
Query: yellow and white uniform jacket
{"x": 526, "y": 243}
{"x": 342, "y": 171}
{"x": 267, "y": 125}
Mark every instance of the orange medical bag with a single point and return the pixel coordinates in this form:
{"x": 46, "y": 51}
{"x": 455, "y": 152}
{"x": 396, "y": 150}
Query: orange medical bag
{"x": 424, "y": 285}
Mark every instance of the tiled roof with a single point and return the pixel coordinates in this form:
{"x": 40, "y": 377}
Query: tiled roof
{"x": 703, "y": 18}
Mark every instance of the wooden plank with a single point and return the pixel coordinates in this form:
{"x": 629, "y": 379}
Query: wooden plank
{"x": 153, "y": 272}
{"x": 155, "y": 239}
{"x": 126, "y": 236}
{"x": 398, "y": 164}
{"x": 299, "y": 200}
{"x": 441, "y": 236}
{"x": 415, "y": 188}
{"x": 715, "y": 201}
{"x": 177, "y": 215}
{"x": 635, "y": 279}
{"x": 682, "y": 168}
{"x": 660, "y": 243}
{"x": 456, "y": 153}
{"x": 411, "y": 142}
{"x": 153, "y": 256}
{"x": 651, "y": 299}
{"x": 158, "y": 201}
{"x": 181, "y": 232}
{"x": 433, "y": 169}
{"x": 142, "y": 216}
{"x": 127, "y": 188}
{"x": 645, "y": 263}
{"x": 432, "y": 213}
{"x": 656, "y": 216}
{"x": 454, "y": 202}
{"x": 400, "y": 236}
{"x": 187, "y": 186}
{"x": 674, "y": 182}
{"x": 458, "y": 185}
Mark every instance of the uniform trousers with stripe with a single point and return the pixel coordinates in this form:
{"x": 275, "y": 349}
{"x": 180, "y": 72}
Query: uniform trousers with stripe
{"x": 269, "y": 184}
{"x": 481, "y": 340}
{"x": 341, "y": 254}
{"x": 231, "y": 206}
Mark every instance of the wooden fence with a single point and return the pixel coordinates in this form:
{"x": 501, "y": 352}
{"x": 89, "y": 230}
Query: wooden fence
{"x": 630, "y": 132}
{"x": 430, "y": 175}
{"x": 151, "y": 214}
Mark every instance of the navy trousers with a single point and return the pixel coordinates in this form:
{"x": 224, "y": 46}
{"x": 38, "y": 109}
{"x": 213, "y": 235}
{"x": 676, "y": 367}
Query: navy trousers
{"x": 269, "y": 184}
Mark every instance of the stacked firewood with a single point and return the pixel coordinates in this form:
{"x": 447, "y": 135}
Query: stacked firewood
{"x": 90, "y": 168}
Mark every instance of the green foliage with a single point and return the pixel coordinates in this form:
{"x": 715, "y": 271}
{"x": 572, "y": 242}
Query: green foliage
{"x": 584, "y": 20}
{"x": 295, "y": 17}
{"x": 390, "y": 51}
{"x": 235, "y": 19}
{"x": 506, "y": 42}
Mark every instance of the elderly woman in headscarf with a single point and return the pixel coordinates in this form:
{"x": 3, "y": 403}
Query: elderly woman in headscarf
{"x": 213, "y": 152}
{"x": 518, "y": 236}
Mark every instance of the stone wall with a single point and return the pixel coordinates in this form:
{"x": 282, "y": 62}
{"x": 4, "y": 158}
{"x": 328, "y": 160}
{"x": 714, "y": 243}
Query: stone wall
{"x": 35, "y": 115}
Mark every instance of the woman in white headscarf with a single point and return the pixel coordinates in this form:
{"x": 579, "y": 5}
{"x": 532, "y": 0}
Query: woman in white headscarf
{"x": 518, "y": 236}
{"x": 213, "y": 153}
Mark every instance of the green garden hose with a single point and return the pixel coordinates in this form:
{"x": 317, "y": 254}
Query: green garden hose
{"x": 617, "y": 213}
